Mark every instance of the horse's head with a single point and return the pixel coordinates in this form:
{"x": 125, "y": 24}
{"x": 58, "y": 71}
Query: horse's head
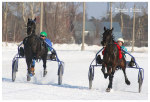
{"x": 31, "y": 26}
{"x": 107, "y": 36}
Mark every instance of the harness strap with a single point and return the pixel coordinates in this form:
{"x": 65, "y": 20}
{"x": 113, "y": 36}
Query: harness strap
{"x": 119, "y": 49}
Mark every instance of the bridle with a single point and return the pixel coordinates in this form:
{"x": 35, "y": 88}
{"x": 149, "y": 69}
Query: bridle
{"x": 109, "y": 43}
{"x": 29, "y": 27}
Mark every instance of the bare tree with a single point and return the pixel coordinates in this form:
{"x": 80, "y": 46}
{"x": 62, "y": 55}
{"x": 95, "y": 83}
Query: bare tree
{"x": 58, "y": 19}
{"x": 23, "y": 13}
{"x": 121, "y": 6}
{"x": 34, "y": 8}
{"x": 5, "y": 20}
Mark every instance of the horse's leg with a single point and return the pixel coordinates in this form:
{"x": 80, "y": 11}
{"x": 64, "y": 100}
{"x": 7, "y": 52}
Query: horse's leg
{"x": 111, "y": 75}
{"x": 126, "y": 79}
{"x": 123, "y": 66}
{"x": 44, "y": 66}
{"x": 103, "y": 70}
{"x": 28, "y": 61}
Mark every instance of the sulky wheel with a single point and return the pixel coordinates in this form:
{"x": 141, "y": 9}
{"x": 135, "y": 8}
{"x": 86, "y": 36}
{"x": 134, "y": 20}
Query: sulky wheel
{"x": 14, "y": 69}
{"x": 60, "y": 74}
{"x": 91, "y": 76}
{"x": 140, "y": 80}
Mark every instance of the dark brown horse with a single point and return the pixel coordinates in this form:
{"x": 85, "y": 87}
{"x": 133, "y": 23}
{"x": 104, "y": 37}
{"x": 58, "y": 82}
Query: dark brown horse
{"x": 34, "y": 48}
{"x": 111, "y": 58}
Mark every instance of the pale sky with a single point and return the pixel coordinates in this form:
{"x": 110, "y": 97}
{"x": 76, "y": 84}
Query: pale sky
{"x": 99, "y": 9}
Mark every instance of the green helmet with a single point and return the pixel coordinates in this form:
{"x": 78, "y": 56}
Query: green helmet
{"x": 44, "y": 34}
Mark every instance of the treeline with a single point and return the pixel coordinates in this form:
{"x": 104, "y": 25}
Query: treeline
{"x": 141, "y": 28}
{"x": 58, "y": 22}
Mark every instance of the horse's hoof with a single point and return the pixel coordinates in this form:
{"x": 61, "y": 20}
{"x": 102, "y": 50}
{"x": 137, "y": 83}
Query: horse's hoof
{"x": 127, "y": 82}
{"x": 105, "y": 76}
{"x": 108, "y": 89}
{"x": 28, "y": 77}
{"x": 44, "y": 74}
{"x": 103, "y": 70}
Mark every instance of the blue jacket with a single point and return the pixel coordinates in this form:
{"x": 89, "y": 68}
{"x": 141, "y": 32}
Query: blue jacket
{"x": 124, "y": 48}
{"x": 49, "y": 45}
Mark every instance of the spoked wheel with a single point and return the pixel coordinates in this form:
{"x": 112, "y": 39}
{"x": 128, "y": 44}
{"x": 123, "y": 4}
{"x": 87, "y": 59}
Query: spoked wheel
{"x": 140, "y": 80}
{"x": 91, "y": 76}
{"x": 60, "y": 74}
{"x": 14, "y": 69}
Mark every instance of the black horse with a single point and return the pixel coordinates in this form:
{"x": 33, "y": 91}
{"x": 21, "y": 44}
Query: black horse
{"x": 111, "y": 58}
{"x": 34, "y": 48}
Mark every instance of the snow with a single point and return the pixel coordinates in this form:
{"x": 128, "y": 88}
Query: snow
{"x": 75, "y": 78}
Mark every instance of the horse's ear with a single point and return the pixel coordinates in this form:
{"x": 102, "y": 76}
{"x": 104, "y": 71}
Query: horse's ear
{"x": 104, "y": 28}
{"x": 112, "y": 29}
{"x": 35, "y": 19}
